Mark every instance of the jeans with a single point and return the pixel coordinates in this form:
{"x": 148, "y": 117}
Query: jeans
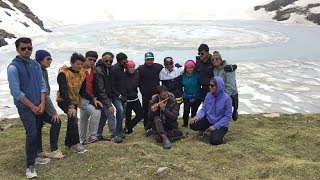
{"x": 90, "y": 115}
{"x": 136, "y": 107}
{"x": 120, "y": 108}
{"x": 216, "y": 136}
{"x": 28, "y": 119}
{"x": 54, "y": 132}
{"x": 106, "y": 115}
{"x": 72, "y": 133}
{"x": 187, "y": 105}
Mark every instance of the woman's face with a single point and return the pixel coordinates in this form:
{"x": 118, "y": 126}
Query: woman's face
{"x": 216, "y": 62}
{"x": 189, "y": 70}
{"x": 131, "y": 69}
{"x": 212, "y": 86}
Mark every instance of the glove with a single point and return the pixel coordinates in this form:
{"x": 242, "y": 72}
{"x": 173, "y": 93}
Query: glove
{"x": 177, "y": 65}
{"x": 230, "y": 68}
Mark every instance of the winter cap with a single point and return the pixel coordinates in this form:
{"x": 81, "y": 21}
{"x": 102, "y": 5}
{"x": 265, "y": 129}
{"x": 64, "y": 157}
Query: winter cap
{"x": 131, "y": 63}
{"x": 149, "y": 55}
{"x": 216, "y": 54}
{"x": 190, "y": 63}
{"x": 41, "y": 54}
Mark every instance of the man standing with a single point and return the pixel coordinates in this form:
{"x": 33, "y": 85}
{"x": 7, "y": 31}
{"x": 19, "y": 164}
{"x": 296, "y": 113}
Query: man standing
{"x": 90, "y": 110}
{"x": 205, "y": 68}
{"x": 149, "y": 81}
{"x": 28, "y": 88}
{"x": 102, "y": 86}
{"x": 118, "y": 85}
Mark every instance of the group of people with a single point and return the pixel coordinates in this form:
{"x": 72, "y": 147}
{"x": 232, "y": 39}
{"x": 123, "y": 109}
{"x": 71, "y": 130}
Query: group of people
{"x": 106, "y": 93}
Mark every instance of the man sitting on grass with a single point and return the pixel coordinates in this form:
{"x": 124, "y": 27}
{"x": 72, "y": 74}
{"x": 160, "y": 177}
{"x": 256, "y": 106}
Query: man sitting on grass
{"x": 215, "y": 114}
{"x": 164, "y": 112}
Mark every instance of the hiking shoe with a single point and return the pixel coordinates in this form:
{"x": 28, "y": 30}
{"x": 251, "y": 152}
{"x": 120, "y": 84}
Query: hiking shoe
{"x": 78, "y": 148}
{"x": 31, "y": 172}
{"x": 235, "y": 115}
{"x": 40, "y": 160}
{"x": 57, "y": 154}
{"x": 185, "y": 125}
{"x": 167, "y": 144}
{"x": 117, "y": 139}
{"x": 150, "y": 132}
{"x": 128, "y": 131}
{"x": 93, "y": 139}
{"x": 101, "y": 138}
{"x": 44, "y": 154}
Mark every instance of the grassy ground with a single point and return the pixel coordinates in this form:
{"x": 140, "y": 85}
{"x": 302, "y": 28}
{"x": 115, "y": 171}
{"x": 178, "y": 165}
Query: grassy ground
{"x": 256, "y": 147}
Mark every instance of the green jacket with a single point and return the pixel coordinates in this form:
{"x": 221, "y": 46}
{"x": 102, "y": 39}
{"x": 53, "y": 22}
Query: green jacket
{"x": 228, "y": 77}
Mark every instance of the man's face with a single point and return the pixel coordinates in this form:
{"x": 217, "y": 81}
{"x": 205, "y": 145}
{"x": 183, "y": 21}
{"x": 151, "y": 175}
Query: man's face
{"x": 203, "y": 55}
{"x": 77, "y": 65}
{"x": 163, "y": 94}
{"x": 90, "y": 62}
{"x": 46, "y": 62}
{"x": 124, "y": 63}
{"x": 24, "y": 50}
{"x": 168, "y": 64}
{"x": 107, "y": 60}
{"x": 149, "y": 61}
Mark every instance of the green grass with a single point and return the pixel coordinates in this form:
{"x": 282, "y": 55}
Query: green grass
{"x": 256, "y": 147}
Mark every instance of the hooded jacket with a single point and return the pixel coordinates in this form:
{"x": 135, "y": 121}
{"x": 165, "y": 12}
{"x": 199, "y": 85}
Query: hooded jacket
{"x": 229, "y": 78}
{"x": 217, "y": 107}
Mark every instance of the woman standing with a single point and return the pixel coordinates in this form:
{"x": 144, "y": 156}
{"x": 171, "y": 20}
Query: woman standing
{"x": 191, "y": 91}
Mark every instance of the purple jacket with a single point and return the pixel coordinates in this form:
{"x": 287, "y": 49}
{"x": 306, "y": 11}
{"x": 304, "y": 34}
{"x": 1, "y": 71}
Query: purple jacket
{"x": 217, "y": 108}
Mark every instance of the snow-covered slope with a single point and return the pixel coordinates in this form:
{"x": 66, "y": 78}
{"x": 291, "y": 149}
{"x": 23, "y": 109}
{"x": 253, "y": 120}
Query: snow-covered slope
{"x": 62, "y": 12}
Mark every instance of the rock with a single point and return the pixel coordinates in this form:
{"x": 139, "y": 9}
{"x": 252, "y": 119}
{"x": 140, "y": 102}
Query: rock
{"x": 4, "y": 34}
{"x": 4, "y": 127}
{"x": 161, "y": 169}
{"x": 272, "y": 115}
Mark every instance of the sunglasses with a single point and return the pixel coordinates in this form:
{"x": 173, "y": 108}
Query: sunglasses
{"x": 92, "y": 60}
{"x": 25, "y": 48}
{"x": 106, "y": 61}
{"x": 215, "y": 59}
{"x": 212, "y": 85}
{"x": 200, "y": 54}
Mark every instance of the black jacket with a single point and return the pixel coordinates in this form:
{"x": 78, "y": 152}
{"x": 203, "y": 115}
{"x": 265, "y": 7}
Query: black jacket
{"x": 102, "y": 84}
{"x": 133, "y": 83}
{"x": 149, "y": 79}
{"x": 118, "y": 81}
{"x": 205, "y": 69}
{"x": 171, "y": 112}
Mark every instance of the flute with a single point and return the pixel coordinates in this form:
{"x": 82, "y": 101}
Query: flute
{"x": 157, "y": 104}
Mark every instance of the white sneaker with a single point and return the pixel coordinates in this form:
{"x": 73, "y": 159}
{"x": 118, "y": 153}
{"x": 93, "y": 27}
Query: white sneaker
{"x": 40, "y": 160}
{"x": 78, "y": 148}
{"x": 31, "y": 172}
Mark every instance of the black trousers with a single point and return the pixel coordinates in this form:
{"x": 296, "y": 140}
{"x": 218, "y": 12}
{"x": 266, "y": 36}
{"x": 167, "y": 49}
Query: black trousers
{"x": 187, "y": 105}
{"x": 216, "y": 136}
{"x": 136, "y": 107}
{"x": 72, "y": 134}
{"x": 235, "y": 102}
{"x": 145, "y": 106}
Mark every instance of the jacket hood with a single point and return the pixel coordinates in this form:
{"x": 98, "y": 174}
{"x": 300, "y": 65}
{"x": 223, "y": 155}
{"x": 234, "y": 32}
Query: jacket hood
{"x": 219, "y": 85}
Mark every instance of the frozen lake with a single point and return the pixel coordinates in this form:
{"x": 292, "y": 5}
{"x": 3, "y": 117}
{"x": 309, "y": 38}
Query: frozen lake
{"x": 278, "y": 64}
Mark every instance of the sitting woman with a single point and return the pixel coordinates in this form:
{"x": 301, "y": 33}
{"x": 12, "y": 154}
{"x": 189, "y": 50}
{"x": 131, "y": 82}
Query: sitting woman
{"x": 164, "y": 112}
{"x": 215, "y": 114}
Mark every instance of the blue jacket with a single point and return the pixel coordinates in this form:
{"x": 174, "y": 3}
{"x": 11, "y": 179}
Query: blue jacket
{"x": 191, "y": 86}
{"x": 25, "y": 79}
{"x": 217, "y": 108}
